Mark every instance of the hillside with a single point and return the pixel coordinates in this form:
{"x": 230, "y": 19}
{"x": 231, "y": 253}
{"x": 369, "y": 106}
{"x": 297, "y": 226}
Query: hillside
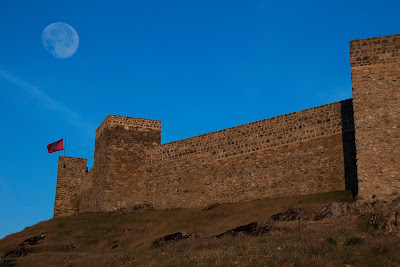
{"x": 292, "y": 238}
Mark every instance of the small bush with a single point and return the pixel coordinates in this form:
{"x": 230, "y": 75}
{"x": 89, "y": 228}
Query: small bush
{"x": 354, "y": 240}
{"x": 343, "y": 230}
{"x": 66, "y": 232}
{"x": 297, "y": 262}
{"x": 263, "y": 241}
{"x": 349, "y": 259}
{"x": 314, "y": 250}
{"x": 380, "y": 249}
{"x": 92, "y": 240}
{"x": 331, "y": 241}
{"x": 364, "y": 225}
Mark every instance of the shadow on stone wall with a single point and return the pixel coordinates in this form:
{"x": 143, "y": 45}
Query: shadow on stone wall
{"x": 349, "y": 146}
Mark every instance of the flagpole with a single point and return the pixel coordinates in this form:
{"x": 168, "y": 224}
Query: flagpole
{"x": 65, "y": 146}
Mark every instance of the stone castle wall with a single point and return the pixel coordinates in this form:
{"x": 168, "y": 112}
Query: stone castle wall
{"x": 352, "y": 144}
{"x": 375, "y": 71}
{"x": 68, "y": 191}
{"x": 296, "y": 153}
{"x": 293, "y": 154}
{"x": 259, "y": 135}
{"x": 119, "y": 161}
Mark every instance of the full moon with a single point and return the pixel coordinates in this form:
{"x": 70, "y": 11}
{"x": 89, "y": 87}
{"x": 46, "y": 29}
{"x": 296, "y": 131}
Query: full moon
{"x": 60, "y": 39}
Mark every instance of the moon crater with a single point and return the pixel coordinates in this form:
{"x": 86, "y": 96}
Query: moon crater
{"x": 60, "y": 39}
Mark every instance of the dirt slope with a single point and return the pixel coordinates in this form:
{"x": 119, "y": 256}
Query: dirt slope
{"x": 293, "y": 238}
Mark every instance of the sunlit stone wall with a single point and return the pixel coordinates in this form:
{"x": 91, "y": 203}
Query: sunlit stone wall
{"x": 375, "y": 72}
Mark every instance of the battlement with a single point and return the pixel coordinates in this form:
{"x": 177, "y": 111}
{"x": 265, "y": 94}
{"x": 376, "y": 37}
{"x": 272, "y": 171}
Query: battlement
{"x": 114, "y": 120}
{"x": 377, "y": 50}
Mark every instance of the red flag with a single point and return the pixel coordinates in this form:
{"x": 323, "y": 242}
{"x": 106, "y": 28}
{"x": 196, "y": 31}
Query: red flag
{"x": 56, "y": 146}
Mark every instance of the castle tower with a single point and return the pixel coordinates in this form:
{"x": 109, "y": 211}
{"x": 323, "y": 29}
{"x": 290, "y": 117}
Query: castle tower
{"x": 68, "y": 190}
{"x": 119, "y": 160}
{"x": 375, "y": 72}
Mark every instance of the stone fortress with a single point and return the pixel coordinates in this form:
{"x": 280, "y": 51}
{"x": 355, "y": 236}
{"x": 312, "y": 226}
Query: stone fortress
{"x": 353, "y": 144}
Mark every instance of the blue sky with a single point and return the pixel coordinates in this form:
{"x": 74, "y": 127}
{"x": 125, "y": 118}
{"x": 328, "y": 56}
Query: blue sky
{"x": 198, "y": 66}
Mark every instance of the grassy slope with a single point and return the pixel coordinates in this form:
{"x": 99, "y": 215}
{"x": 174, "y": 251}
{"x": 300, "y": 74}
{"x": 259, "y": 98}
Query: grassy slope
{"x": 308, "y": 243}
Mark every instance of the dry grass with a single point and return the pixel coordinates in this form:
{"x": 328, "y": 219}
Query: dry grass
{"x": 331, "y": 242}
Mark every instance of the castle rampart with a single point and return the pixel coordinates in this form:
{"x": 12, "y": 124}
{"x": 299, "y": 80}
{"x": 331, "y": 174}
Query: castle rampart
{"x": 119, "y": 160}
{"x": 68, "y": 190}
{"x": 264, "y": 134}
{"x": 352, "y": 144}
{"x": 297, "y": 153}
{"x": 293, "y": 154}
{"x": 375, "y": 71}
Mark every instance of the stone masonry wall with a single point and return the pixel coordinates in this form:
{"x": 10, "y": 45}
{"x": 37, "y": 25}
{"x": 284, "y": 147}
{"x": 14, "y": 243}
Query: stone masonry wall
{"x": 299, "y": 168}
{"x": 349, "y": 147}
{"x": 309, "y": 151}
{"x": 375, "y": 71}
{"x": 296, "y": 153}
{"x": 69, "y": 178}
{"x": 117, "y": 174}
{"x": 264, "y": 134}
{"x": 292, "y": 154}
{"x": 90, "y": 194}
